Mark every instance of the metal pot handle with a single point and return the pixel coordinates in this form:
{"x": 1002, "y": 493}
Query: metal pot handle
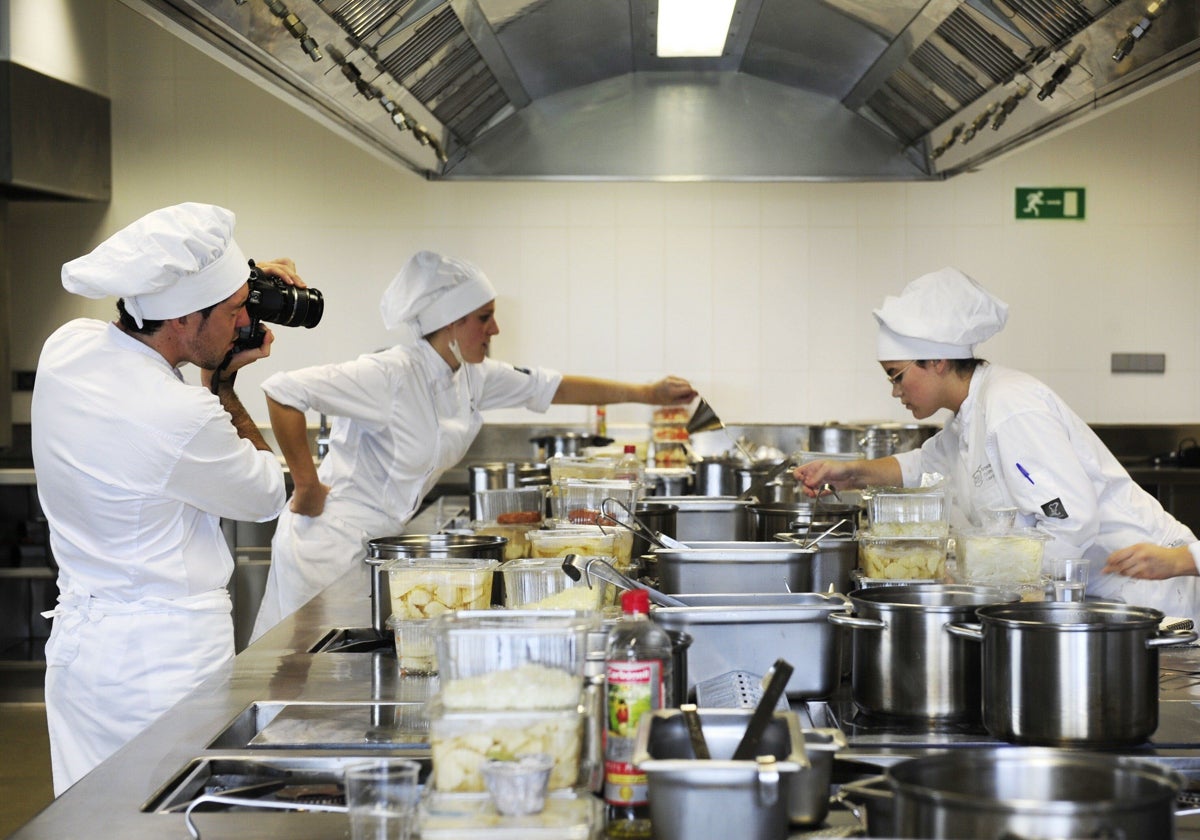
{"x": 1175, "y": 637}
{"x": 857, "y": 623}
{"x": 965, "y": 630}
{"x": 853, "y": 794}
{"x": 768, "y": 780}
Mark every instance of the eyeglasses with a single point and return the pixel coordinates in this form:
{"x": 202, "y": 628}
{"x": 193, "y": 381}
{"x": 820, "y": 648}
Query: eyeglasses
{"x": 895, "y": 378}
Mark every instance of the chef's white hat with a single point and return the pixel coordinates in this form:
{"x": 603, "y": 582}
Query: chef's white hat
{"x": 167, "y": 264}
{"x": 941, "y": 315}
{"x": 432, "y": 291}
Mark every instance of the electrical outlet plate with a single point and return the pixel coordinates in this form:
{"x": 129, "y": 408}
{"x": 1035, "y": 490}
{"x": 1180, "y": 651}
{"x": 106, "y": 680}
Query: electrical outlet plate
{"x": 1139, "y": 362}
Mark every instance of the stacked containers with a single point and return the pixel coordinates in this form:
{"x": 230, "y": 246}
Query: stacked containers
{"x": 510, "y": 513}
{"x": 906, "y": 537}
{"x": 423, "y": 588}
{"x": 669, "y": 433}
{"x": 511, "y": 684}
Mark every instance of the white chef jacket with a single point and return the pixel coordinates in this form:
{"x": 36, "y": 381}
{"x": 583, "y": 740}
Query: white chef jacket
{"x": 1015, "y": 443}
{"x": 401, "y": 418}
{"x": 134, "y": 469}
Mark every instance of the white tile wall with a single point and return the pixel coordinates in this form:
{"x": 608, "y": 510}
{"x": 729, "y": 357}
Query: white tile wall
{"x": 761, "y": 293}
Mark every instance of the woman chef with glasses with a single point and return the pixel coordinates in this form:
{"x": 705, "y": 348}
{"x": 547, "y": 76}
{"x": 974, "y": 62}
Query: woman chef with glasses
{"x": 1012, "y": 442}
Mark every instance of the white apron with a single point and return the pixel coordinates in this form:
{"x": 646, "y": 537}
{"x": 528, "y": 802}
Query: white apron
{"x": 309, "y": 553}
{"x": 112, "y": 668}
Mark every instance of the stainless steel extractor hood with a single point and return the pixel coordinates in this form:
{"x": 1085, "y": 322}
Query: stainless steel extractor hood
{"x": 805, "y": 89}
{"x": 55, "y": 139}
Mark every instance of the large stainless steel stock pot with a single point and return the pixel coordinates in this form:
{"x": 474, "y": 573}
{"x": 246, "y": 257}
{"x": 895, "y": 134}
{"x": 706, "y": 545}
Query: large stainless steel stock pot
{"x": 1029, "y": 793}
{"x": 904, "y": 662}
{"x": 1070, "y": 674}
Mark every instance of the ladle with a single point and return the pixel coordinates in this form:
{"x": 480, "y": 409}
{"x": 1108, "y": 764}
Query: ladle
{"x": 584, "y": 568}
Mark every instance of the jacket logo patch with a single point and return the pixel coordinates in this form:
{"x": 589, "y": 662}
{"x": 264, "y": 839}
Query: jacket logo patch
{"x": 983, "y": 473}
{"x": 1054, "y": 509}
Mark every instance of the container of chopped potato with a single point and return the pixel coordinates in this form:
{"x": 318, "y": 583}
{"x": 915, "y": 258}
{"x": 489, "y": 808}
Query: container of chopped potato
{"x": 426, "y": 587}
{"x": 906, "y": 558}
{"x": 513, "y": 659}
{"x": 986, "y": 557}
{"x": 585, "y": 540}
{"x": 540, "y": 583}
{"x": 462, "y": 740}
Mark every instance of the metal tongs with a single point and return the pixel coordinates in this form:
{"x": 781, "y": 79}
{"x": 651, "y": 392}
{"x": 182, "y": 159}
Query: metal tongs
{"x": 638, "y": 528}
{"x": 585, "y": 568}
{"x": 808, "y": 541}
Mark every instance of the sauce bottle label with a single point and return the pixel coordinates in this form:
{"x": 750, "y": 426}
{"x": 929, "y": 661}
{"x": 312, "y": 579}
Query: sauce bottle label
{"x": 634, "y": 689}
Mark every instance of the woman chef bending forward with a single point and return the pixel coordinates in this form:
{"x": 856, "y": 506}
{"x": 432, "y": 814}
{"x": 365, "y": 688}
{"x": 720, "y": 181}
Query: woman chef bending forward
{"x": 1012, "y": 442}
{"x": 401, "y": 418}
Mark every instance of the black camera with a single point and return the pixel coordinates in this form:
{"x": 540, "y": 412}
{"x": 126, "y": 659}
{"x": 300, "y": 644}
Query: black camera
{"x": 277, "y": 302}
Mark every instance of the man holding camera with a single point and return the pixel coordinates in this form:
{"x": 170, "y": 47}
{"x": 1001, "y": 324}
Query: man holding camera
{"x": 135, "y": 470}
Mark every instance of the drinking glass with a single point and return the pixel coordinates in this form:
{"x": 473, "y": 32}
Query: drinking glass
{"x": 1070, "y": 577}
{"x": 381, "y": 797}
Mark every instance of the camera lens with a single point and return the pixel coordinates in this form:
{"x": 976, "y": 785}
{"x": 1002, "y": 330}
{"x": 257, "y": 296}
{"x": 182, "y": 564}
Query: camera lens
{"x": 275, "y": 301}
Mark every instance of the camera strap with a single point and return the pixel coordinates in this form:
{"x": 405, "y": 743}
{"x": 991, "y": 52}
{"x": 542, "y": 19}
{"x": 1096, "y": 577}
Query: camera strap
{"x": 215, "y": 384}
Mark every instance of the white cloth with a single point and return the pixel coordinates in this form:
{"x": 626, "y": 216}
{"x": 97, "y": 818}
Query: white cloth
{"x": 169, "y": 263}
{"x": 135, "y": 469}
{"x": 401, "y": 418}
{"x": 940, "y": 315}
{"x": 1015, "y": 443}
{"x": 432, "y": 291}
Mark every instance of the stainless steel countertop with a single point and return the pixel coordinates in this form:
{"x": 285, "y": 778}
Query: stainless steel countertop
{"x": 278, "y": 669}
{"x": 107, "y": 801}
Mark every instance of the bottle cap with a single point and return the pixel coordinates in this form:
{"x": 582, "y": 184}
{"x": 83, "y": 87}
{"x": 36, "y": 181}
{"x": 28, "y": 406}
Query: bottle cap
{"x": 630, "y": 449}
{"x": 635, "y": 601}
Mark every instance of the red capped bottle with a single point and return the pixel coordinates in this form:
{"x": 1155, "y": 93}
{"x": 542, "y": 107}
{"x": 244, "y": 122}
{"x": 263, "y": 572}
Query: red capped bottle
{"x": 638, "y": 681}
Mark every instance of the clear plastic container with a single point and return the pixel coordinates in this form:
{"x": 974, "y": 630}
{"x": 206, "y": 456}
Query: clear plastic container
{"x": 415, "y": 649}
{"x": 540, "y": 583}
{"x": 985, "y": 557}
{"x": 494, "y": 505}
{"x": 513, "y": 659}
{"x": 518, "y": 786}
{"x": 567, "y": 815}
{"x": 583, "y": 502}
{"x": 426, "y": 587}
{"x": 895, "y": 512}
{"x": 588, "y": 541}
{"x": 567, "y": 467}
{"x": 462, "y": 741}
{"x": 907, "y": 558}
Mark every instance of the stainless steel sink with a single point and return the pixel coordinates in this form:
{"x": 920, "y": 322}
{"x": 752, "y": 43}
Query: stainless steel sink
{"x": 354, "y": 640}
{"x": 296, "y": 780}
{"x": 328, "y": 726}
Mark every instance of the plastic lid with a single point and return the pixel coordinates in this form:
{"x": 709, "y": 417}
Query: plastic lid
{"x": 635, "y": 601}
{"x": 630, "y": 448}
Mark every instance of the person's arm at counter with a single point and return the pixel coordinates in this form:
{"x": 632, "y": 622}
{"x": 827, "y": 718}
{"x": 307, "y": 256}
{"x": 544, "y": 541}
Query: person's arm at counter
{"x": 1153, "y": 562}
{"x": 586, "y": 390}
{"x": 291, "y": 433}
{"x": 849, "y": 475}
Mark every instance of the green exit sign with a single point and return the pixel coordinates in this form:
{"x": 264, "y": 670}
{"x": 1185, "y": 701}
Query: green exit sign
{"x": 1050, "y": 202}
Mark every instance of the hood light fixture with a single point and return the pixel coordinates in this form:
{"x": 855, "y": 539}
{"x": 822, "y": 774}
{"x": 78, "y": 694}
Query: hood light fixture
{"x": 693, "y": 28}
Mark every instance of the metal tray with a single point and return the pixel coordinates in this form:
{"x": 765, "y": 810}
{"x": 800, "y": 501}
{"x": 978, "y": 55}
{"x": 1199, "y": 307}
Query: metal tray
{"x": 747, "y": 632}
{"x": 327, "y": 726}
{"x": 775, "y": 569}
